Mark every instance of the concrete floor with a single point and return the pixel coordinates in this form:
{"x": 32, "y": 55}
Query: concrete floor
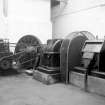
{"x": 23, "y": 90}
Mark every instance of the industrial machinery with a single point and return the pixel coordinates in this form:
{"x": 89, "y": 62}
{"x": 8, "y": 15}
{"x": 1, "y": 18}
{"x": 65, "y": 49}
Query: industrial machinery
{"x": 70, "y": 52}
{"x": 5, "y": 52}
{"x": 92, "y": 62}
{"x": 77, "y": 59}
{"x": 93, "y": 56}
{"x": 24, "y": 55}
{"x": 82, "y": 61}
{"x": 26, "y": 51}
{"x": 49, "y": 67}
{"x": 60, "y": 56}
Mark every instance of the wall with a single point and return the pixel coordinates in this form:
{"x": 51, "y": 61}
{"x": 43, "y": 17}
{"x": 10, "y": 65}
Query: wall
{"x": 29, "y": 17}
{"x": 3, "y": 22}
{"x": 25, "y": 17}
{"x": 79, "y": 15}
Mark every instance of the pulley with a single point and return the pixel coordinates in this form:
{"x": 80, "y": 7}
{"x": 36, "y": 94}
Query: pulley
{"x": 28, "y": 47}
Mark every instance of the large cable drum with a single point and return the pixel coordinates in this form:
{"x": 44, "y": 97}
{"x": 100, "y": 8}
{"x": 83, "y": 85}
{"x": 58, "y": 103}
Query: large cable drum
{"x": 27, "y": 46}
{"x": 70, "y": 52}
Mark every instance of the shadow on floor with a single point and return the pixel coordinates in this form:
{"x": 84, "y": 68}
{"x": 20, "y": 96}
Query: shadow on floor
{"x": 9, "y": 72}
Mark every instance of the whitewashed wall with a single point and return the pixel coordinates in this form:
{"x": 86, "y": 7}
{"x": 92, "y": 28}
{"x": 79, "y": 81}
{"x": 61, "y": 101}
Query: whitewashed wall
{"x": 79, "y": 15}
{"x": 29, "y": 17}
{"x": 26, "y": 17}
{"x": 3, "y": 22}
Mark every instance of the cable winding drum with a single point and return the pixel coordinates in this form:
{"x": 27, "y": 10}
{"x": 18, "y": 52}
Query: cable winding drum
{"x": 28, "y": 47}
